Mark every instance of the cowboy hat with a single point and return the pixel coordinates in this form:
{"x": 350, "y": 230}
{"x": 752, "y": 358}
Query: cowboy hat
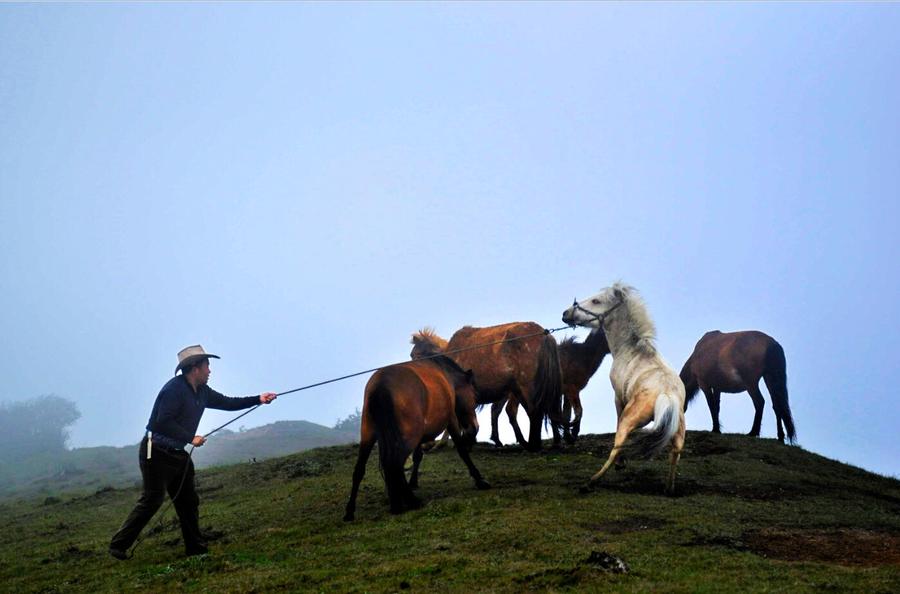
{"x": 192, "y": 354}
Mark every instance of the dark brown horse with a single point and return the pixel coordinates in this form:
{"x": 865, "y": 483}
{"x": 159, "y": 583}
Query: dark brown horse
{"x": 520, "y": 361}
{"x": 734, "y": 362}
{"x": 406, "y": 405}
{"x": 578, "y": 362}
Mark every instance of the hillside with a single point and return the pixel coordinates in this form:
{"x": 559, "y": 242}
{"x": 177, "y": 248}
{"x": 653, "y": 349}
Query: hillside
{"x": 749, "y": 515}
{"x": 96, "y": 467}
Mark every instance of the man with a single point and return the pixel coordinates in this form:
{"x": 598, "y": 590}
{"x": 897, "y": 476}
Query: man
{"x": 165, "y": 466}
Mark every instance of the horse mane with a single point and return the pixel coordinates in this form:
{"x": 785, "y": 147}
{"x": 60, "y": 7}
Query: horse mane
{"x": 568, "y": 341}
{"x": 639, "y": 331}
{"x": 428, "y": 336}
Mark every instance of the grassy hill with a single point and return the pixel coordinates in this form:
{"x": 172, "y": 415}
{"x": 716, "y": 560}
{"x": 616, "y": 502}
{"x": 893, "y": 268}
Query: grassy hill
{"x": 89, "y": 469}
{"x": 749, "y": 515}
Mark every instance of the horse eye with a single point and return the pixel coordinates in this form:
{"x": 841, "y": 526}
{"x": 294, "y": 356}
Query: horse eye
{"x": 595, "y": 301}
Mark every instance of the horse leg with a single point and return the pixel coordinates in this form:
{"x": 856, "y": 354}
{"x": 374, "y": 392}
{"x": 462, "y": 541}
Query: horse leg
{"x": 634, "y": 415}
{"x": 534, "y": 432}
{"x": 566, "y": 415}
{"x": 414, "y": 476}
{"x": 575, "y": 397}
{"x": 365, "y": 448}
{"x": 512, "y": 411}
{"x": 674, "y": 455}
{"x": 480, "y": 483}
{"x": 713, "y": 399}
{"x": 496, "y": 408}
{"x": 758, "y": 403}
{"x": 779, "y": 420}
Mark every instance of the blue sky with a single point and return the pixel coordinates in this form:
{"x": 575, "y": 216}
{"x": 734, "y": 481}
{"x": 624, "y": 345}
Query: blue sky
{"x": 299, "y": 187}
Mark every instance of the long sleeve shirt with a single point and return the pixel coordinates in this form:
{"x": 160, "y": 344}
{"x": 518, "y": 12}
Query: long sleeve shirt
{"x": 178, "y": 408}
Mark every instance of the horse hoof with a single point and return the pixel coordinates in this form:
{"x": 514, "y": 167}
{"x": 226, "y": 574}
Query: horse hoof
{"x": 586, "y": 488}
{"x": 482, "y": 485}
{"x": 414, "y": 503}
{"x": 348, "y": 517}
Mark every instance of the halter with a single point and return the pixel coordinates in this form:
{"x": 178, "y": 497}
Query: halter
{"x": 594, "y": 316}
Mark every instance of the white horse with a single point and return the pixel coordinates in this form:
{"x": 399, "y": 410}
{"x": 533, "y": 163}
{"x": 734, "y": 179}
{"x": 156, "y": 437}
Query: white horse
{"x": 646, "y": 388}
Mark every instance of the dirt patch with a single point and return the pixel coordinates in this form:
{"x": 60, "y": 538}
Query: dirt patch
{"x": 845, "y": 546}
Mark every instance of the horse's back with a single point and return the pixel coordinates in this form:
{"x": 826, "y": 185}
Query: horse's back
{"x": 421, "y": 395}
{"x": 507, "y": 353}
{"x": 730, "y": 360}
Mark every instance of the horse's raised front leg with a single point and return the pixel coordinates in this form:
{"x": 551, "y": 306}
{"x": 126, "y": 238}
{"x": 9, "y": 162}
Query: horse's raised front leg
{"x": 635, "y": 415}
{"x": 365, "y": 448}
{"x": 480, "y": 483}
{"x": 712, "y": 399}
{"x": 759, "y": 404}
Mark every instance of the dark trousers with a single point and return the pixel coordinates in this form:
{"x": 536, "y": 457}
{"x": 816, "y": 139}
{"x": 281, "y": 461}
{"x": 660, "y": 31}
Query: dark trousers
{"x": 166, "y": 471}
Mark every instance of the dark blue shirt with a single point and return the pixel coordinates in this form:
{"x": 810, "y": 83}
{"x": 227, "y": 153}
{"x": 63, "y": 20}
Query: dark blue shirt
{"x": 177, "y": 410}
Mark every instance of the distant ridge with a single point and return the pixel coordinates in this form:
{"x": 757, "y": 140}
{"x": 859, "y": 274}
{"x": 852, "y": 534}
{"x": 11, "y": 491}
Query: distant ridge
{"x": 101, "y": 466}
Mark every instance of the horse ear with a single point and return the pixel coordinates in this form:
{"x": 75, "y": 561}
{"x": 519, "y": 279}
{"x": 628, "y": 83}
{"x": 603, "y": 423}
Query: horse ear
{"x": 619, "y": 293}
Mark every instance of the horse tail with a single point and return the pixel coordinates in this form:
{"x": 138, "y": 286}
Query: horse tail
{"x": 546, "y": 389}
{"x": 775, "y": 375}
{"x": 391, "y": 453}
{"x": 689, "y": 379}
{"x": 667, "y": 417}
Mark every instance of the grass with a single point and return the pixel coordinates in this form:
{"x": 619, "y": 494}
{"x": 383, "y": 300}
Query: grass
{"x": 749, "y": 515}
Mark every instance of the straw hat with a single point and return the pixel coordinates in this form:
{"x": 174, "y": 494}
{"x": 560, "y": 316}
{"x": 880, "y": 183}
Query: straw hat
{"x": 192, "y": 354}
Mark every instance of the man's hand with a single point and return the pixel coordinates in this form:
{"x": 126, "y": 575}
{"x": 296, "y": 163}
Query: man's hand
{"x": 267, "y": 397}
{"x": 198, "y": 441}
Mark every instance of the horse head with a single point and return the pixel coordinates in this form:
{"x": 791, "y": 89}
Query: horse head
{"x": 426, "y": 343}
{"x": 593, "y": 311}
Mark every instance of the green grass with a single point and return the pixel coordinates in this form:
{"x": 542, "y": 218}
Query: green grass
{"x": 534, "y": 531}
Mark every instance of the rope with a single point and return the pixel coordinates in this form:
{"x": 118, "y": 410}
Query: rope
{"x": 545, "y": 332}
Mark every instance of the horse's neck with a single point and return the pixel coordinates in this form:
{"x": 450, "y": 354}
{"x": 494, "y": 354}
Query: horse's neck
{"x": 622, "y": 340}
{"x": 593, "y": 349}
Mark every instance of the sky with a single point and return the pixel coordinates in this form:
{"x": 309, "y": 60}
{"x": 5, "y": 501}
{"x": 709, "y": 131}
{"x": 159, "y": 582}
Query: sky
{"x": 300, "y": 187}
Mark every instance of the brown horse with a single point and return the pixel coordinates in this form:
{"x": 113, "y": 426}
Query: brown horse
{"x": 734, "y": 362}
{"x": 517, "y": 360}
{"x": 408, "y": 404}
{"x": 578, "y": 362}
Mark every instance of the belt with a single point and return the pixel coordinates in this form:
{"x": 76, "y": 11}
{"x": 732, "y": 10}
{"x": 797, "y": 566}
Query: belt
{"x": 167, "y": 442}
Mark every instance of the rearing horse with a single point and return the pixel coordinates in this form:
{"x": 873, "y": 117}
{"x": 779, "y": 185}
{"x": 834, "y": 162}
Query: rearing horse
{"x": 408, "y": 404}
{"x": 646, "y": 388}
{"x": 733, "y": 362}
{"x": 517, "y": 360}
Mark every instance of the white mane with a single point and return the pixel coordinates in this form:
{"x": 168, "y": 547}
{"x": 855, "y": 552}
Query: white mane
{"x": 631, "y": 327}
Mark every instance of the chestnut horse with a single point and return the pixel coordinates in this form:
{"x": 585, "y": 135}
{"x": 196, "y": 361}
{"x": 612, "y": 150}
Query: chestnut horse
{"x": 734, "y": 362}
{"x": 646, "y": 388}
{"x": 578, "y": 362}
{"x": 517, "y": 360}
{"x": 408, "y": 404}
